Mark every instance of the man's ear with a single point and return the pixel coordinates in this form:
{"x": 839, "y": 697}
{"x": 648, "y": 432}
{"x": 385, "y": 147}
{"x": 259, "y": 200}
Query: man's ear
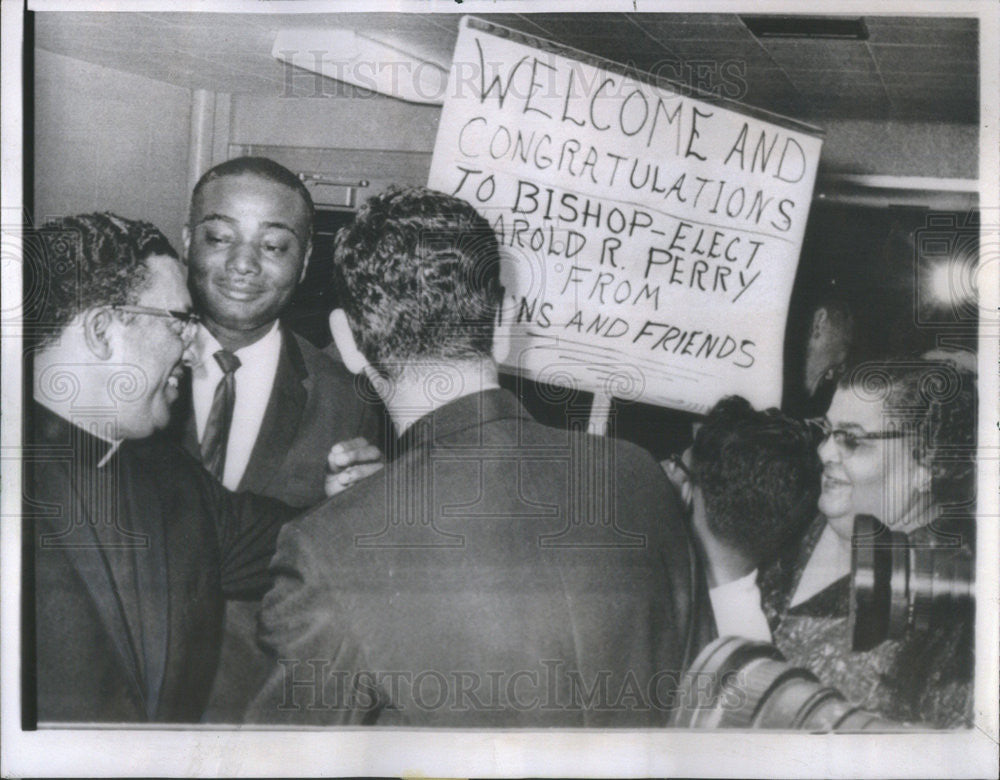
{"x": 343, "y": 337}
{"x": 305, "y": 261}
{"x": 501, "y": 338}
{"x": 819, "y": 324}
{"x": 96, "y": 332}
{"x": 186, "y": 241}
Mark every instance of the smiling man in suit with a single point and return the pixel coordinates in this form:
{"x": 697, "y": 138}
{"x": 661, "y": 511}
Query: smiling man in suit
{"x": 247, "y": 244}
{"x": 266, "y": 406}
{"x": 133, "y": 546}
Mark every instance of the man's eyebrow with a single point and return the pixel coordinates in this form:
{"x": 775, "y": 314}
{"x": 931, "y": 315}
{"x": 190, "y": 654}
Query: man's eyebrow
{"x": 214, "y": 216}
{"x": 265, "y": 225}
{"x": 282, "y": 226}
{"x": 850, "y": 427}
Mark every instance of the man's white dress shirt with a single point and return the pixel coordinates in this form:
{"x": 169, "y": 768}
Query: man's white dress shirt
{"x": 738, "y": 611}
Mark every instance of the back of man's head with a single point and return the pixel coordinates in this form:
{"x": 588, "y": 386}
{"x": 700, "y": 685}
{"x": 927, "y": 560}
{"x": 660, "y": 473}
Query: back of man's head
{"x": 418, "y": 274}
{"x": 758, "y": 473}
{"x": 82, "y": 262}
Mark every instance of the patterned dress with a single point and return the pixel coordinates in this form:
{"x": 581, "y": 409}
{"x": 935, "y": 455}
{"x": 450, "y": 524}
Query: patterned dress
{"x": 923, "y": 678}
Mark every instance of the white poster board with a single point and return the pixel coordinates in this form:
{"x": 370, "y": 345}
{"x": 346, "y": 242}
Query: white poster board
{"x": 649, "y": 237}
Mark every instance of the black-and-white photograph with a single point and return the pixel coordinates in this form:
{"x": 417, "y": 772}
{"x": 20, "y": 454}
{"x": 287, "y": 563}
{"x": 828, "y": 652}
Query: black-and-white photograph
{"x": 500, "y": 389}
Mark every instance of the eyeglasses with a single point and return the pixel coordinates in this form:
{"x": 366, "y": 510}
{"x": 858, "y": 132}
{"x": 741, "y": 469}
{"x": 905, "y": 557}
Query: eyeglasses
{"x": 849, "y": 441}
{"x": 183, "y": 323}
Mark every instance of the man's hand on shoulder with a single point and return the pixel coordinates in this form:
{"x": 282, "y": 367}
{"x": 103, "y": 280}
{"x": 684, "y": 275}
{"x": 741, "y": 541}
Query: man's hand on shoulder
{"x": 349, "y": 462}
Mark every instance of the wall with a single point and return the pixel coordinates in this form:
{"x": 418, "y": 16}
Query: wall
{"x": 106, "y": 140}
{"x": 377, "y": 138}
{"x": 384, "y": 140}
{"x": 897, "y": 148}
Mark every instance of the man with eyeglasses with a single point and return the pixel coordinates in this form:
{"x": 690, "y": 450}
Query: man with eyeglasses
{"x": 131, "y": 546}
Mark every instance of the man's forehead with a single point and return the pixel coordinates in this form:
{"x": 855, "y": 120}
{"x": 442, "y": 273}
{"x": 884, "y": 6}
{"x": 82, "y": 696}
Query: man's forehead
{"x": 235, "y": 189}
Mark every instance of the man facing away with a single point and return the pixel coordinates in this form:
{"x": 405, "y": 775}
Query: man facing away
{"x": 497, "y": 572}
{"x": 752, "y": 478}
{"x": 131, "y": 546}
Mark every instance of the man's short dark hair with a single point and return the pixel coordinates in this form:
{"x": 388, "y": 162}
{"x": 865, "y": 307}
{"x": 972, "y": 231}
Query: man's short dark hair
{"x": 81, "y": 262}
{"x": 418, "y": 274}
{"x": 758, "y": 473}
{"x": 263, "y": 168}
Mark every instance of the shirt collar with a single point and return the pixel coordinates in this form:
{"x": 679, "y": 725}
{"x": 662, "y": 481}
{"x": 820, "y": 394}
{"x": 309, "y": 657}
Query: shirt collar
{"x": 110, "y": 453}
{"x": 51, "y": 428}
{"x": 269, "y": 342}
{"x": 208, "y": 345}
{"x": 465, "y": 414}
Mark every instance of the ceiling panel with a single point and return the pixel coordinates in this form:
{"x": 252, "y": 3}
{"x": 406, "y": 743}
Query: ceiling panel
{"x": 961, "y": 38}
{"x": 916, "y": 60}
{"x": 909, "y": 68}
{"x": 832, "y": 56}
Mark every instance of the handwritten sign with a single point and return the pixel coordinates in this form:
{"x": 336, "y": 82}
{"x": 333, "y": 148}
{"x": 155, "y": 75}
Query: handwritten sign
{"x": 650, "y": 238}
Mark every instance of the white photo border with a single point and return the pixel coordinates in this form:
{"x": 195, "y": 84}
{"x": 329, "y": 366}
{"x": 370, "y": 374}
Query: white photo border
{"x": 209, "y": 751}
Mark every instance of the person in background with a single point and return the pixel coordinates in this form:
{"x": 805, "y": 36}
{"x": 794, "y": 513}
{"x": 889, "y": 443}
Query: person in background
{"x": 496, "y": 565}
{"x": 133, "y": 546}
{"x": 898, "y": 444}
{"x": 754, "y": 478}
{"x": 829, "y": 347}
{"x": 266, "y": 407}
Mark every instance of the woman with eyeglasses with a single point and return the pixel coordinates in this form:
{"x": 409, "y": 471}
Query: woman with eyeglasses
{"x": 898, "y": 444}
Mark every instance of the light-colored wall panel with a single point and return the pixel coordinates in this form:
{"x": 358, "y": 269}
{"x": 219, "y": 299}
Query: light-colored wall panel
{"x": 376, "y": 122}
{"x": 895, "y": 148}
{"x": 106, "y": 140}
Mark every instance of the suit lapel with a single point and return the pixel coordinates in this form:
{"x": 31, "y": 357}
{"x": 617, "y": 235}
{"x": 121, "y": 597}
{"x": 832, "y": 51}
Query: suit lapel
{"x": 93, "y": 561}
{"x": 183, "y": 427}
{"x": 281, "y": 419}
{"x": 151, "y": 578}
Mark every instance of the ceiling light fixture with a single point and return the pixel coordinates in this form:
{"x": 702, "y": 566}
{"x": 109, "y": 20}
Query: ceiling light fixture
{"x": 847, "y": 28}
{"x": 382, "y": 64}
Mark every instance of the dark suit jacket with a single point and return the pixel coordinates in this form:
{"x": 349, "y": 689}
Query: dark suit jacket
{"x": 497, "y": 573}
{"x": 130, "y": 565}
{"x": 315, "y": 403}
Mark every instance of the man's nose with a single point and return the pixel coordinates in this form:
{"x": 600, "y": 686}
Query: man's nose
{"x": 244, "y": 258}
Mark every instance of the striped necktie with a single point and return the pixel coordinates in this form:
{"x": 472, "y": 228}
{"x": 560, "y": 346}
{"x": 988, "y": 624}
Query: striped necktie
{"x": 220, "y": 417}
